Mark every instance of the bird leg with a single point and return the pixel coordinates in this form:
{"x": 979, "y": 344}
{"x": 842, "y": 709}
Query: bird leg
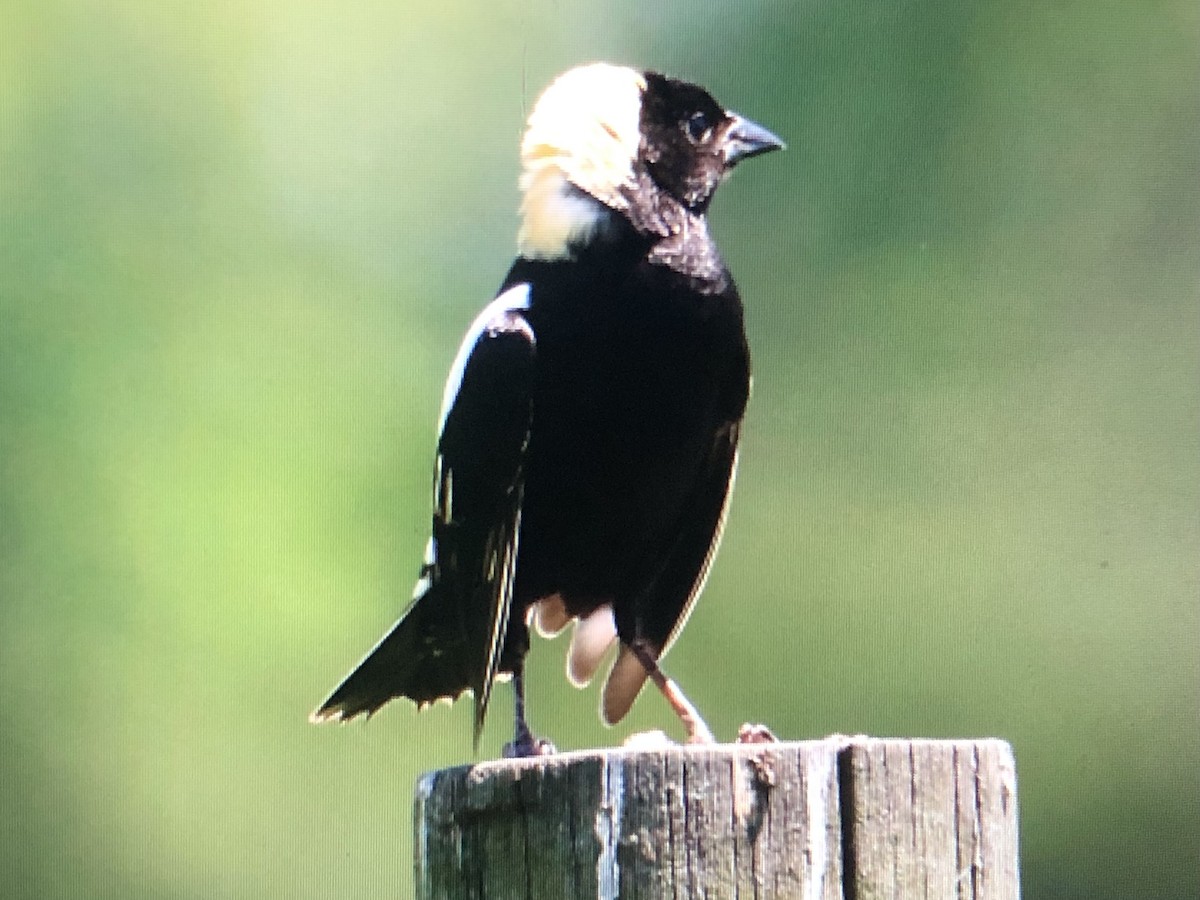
{"x": 523, "y": 743}
{"x": 697, "y": 731}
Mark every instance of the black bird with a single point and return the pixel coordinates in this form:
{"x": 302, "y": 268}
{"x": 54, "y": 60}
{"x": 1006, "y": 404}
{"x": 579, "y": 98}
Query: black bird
{"x": 589, "y": 427}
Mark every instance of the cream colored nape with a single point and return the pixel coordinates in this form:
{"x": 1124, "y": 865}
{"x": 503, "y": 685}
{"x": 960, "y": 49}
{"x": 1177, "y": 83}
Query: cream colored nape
{"x": 583, "y": 131}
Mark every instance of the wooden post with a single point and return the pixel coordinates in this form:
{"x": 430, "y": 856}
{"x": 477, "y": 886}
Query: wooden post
{"x": 838, "y": 819}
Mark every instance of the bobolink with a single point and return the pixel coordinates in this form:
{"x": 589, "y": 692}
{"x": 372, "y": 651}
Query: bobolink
{"x": 589, "y": 426}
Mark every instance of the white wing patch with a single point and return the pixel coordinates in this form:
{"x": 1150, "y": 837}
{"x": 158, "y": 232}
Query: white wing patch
{"x": 515, "y": 298}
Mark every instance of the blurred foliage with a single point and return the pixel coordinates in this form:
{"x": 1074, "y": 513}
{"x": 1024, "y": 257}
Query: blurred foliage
{"x": 238, "y": 246}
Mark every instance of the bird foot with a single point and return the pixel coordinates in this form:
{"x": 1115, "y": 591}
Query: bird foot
{"x": 755, "y": 733}
{"x": 697, "y": 731}
{"x": 526, "y": 745}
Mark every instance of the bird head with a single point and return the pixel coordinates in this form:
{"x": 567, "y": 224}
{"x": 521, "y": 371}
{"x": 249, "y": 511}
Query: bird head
{"x": 602, "y": 137}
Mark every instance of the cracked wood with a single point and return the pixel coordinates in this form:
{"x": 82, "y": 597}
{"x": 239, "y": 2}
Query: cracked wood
{"x": 838, "y": 819}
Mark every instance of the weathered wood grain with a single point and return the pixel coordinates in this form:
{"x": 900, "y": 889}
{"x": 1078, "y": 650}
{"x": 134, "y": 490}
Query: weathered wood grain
{"x": 854, "y": 818}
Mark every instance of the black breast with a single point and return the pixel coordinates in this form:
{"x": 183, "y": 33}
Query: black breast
{"x": 637, "y": 373}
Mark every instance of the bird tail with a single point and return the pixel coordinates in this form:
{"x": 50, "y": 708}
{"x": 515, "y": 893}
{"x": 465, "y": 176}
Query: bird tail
{"x": 415, "y": 659}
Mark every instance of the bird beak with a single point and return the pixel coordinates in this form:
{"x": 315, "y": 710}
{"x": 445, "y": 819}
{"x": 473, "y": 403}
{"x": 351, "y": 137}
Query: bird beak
{"x": 744, "y": 139}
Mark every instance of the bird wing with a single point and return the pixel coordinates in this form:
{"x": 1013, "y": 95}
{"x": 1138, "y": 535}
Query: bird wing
{"x": 669, "y": 602}
{"x": 695, "y": 549}
{"x": 450, "y": 639}
{"x": 480, "y": 481}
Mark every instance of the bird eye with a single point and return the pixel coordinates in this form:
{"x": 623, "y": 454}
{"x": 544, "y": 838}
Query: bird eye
{"x": 697, "y": 126}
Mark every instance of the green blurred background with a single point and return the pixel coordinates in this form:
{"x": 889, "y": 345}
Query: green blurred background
{"x": 239, "y": 244}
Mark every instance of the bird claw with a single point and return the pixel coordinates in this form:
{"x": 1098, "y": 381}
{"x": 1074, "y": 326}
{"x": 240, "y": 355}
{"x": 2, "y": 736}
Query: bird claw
{"x": 698, "y": 733}
{"x": 755, "y": 733}
{"x": 526, "y": 745}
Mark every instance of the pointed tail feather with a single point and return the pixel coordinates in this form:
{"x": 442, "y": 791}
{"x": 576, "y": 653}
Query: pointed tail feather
{"x": 413, "y": 660}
